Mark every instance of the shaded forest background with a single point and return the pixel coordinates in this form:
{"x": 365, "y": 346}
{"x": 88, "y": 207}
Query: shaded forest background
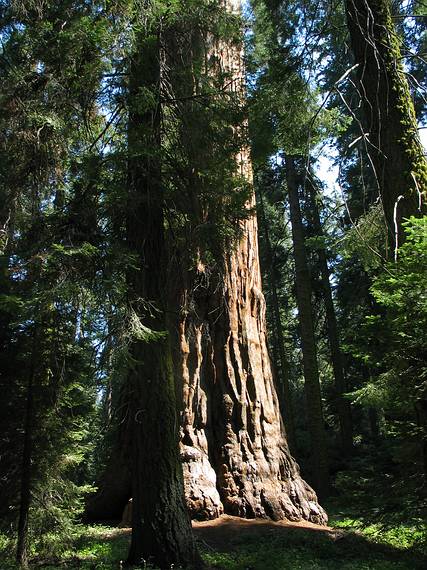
{"x": 101, "y": 99}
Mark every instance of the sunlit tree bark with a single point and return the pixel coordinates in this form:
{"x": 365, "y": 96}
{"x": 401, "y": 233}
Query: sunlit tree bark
{"x": 236, "y": 456}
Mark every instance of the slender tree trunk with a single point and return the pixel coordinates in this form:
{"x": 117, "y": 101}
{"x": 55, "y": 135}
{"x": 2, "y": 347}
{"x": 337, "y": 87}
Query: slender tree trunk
{"x": 421, "y": 415}
{"x": 161, "y": 528}
{"x": 283, "y": 379}
{"x": 343, "y": 406}
{"x": 309, "y": 354}
{"x": 392, "y": 138}
{"x": 25, "y": 494}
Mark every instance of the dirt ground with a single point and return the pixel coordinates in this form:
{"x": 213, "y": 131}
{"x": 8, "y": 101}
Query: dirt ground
{"x": 222, "y": 532}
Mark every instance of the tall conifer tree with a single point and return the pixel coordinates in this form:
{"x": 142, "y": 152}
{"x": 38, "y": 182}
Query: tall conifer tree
{"x": 391, "y": 137}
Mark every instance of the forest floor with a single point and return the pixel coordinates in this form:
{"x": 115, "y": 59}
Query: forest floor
{"x": 230, "y": 543}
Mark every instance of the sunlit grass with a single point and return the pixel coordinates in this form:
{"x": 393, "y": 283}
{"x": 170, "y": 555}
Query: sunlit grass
{"x": 403, "y": 537}
{"x": 352, "y": 547}
{"x": 304, "y": 550}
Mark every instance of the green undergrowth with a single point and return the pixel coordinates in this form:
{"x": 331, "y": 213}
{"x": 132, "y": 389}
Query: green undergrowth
{"x": 92, "y": 547}
{"x": 351, "y": 546}
{"x": 348, "y": 547}
{"x": 410, "y": 538}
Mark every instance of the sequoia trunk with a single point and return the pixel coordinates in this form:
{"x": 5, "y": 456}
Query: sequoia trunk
{"x": 236, "y": 457}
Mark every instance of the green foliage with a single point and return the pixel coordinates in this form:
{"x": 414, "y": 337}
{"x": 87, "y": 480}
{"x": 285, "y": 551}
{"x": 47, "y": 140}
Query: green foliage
{"x": 409, "y": 536}
{"x": 366, "y": 239}
{"x": 52, "y": 61}
{"x": 389, "y": 345}
{"x": 85, "y": 547}
{"x": 285, "y": 100}
{"x": 400, "y": 290}
{"x": 350, "y": 546}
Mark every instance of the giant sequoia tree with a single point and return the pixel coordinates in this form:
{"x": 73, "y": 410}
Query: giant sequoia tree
{"x": 234, "y": 449}
{"x": 232, "y": 430}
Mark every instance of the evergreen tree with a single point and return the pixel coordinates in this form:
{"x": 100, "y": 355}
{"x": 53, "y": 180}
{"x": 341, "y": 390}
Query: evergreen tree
{"x": 161, "y": 528}
{"x": 49, "y": 258}
{"x": 343, "y": 406}
{"x": 280, "y": 358}
{"x": 308, "y": 342}
{"x": 394, "y": 148}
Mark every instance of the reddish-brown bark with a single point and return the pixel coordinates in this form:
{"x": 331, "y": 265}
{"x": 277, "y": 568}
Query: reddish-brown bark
{"x": 234, "y": 447}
